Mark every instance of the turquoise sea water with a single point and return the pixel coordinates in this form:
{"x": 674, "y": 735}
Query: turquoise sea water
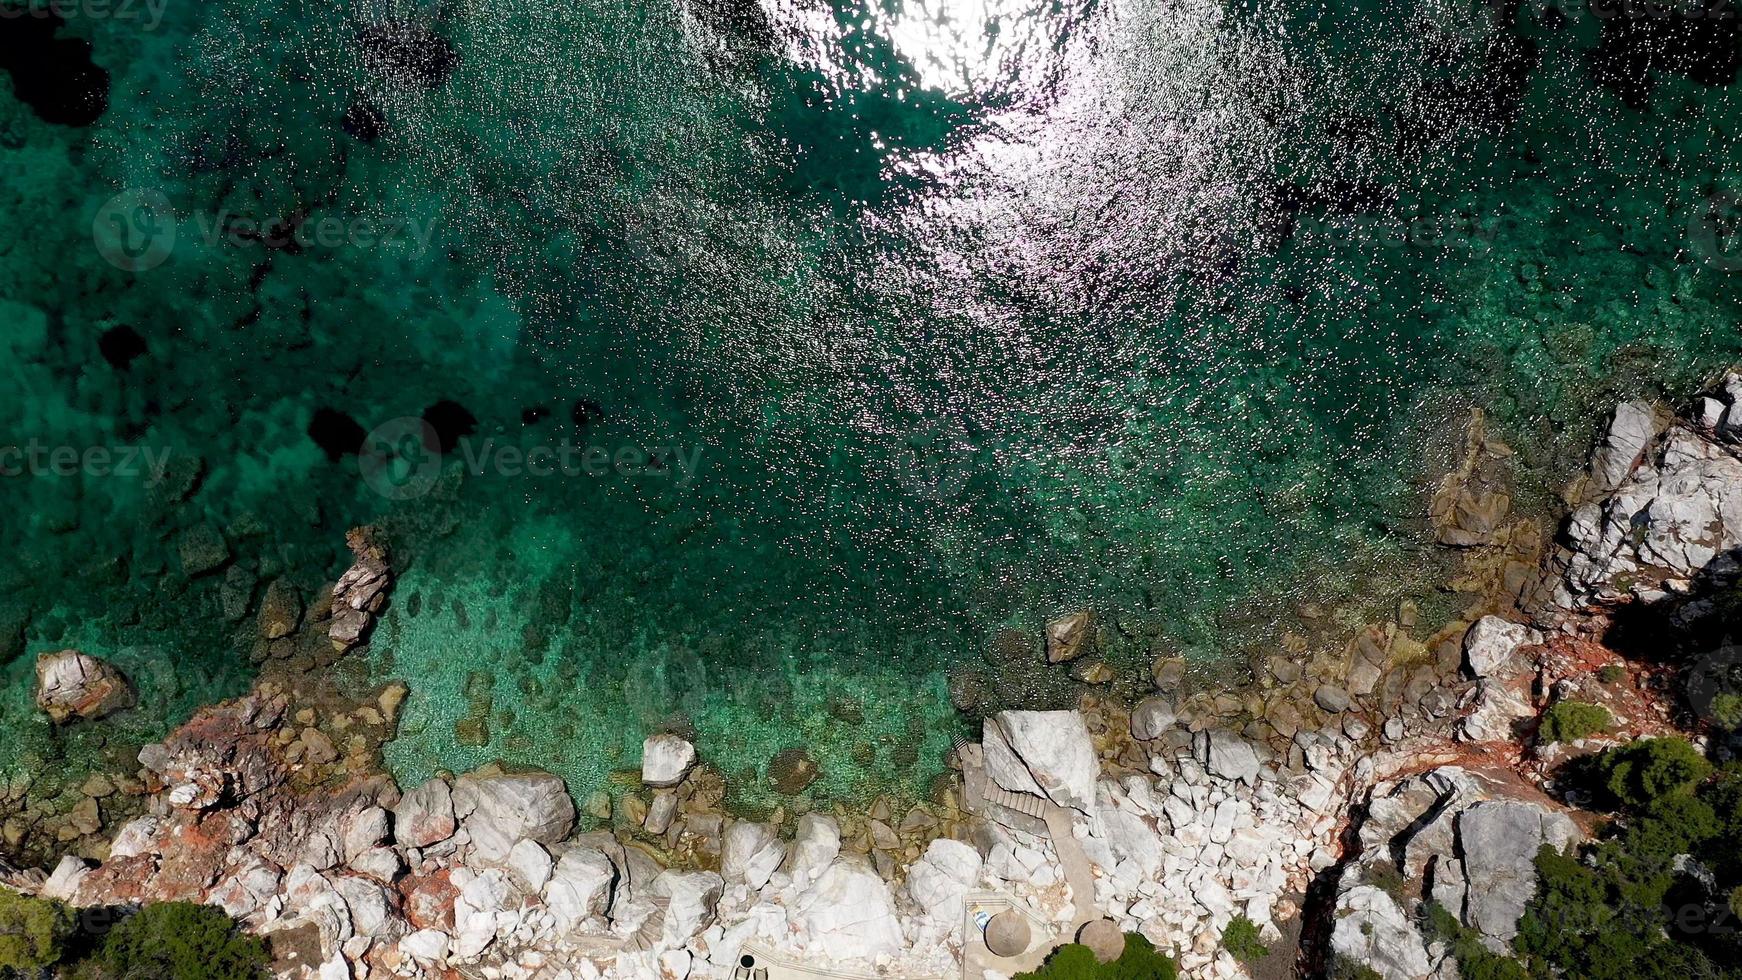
{"x": 940, "y": 318}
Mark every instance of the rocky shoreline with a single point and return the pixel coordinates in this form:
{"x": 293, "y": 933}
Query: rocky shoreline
{"x": 1322, "y": 802}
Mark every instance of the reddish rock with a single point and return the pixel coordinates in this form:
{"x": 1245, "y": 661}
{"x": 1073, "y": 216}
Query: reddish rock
{"x": 429, "y": 901}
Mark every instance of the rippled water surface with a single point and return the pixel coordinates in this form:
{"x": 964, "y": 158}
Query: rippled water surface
{"x": 937, "y": 319}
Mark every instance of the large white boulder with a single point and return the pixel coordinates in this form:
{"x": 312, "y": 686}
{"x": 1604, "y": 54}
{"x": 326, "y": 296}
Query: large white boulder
{"x": 500, "y": 809}
{"x": 425, "y": 815}
{"x": 849, "y": 914}
{"x": 751, "y": 852}
{"x": 814, "y": 847}
{"x": 1373, "y": 930}
{"x": 70, "y": 684}
{"x": 1492, "y": 645}
{"x": 666, "y": 760}
{"x": 580, "y": 887}
{"x": 693, "y": 897}
{"x": 948, "y": 871}
{"x": 1044, "y": 753}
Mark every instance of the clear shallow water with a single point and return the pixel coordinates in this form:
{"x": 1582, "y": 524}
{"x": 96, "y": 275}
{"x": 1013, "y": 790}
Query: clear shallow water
{"x": 967, "y": 313}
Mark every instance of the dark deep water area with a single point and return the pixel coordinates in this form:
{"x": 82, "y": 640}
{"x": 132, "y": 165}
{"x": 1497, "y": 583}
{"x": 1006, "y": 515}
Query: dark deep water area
{"x": 758, "y": 368}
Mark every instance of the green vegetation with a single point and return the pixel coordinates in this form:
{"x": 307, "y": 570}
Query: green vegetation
{"x": 33, "y": 932}
{"x": 1569, "y": 721}
{"x": 1475, "y": 961}
{"x": 167, "y": 941}
{"x": 1141, "y": 961}
{"x": 1640, "y": 772}
{"x": 1612, "y": 674}
{"x": 1241, "y": 939}
{"x": 177, "y": 941}
{"x": 1627, "y": 907}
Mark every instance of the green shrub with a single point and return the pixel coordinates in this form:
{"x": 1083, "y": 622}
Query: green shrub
{"x": 33, "y": 932}
{"x": 1727, "y": 710}
{"x": 179, "y": 941}
{"x": 1569, "y": 721}
{"x": 1141, "y": 961}
{"x": 1242, "y": 941}
{"x": 1640, "y": 772}
{"x": 1343, "y": 968}
{"x": 1612, "y": 674}
{"x": 1475, "y": 961}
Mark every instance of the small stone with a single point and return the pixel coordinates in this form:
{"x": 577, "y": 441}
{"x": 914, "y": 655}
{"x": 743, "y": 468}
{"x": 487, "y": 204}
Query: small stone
{"x": 1168, "y": 672}
{"x": 70, "y": 684}
{"x": 1092, "y": 671}
{"x": 666, "y": 760}
{"x": 391, "y": 698}
{"x": 1069, "y": 637}
{"x": 1331, "y": 698}
{"x": 317, "y": 747}
{"x": 661, "y": 812}
{"x": 1152, "y": 718}
{"x": 598, "y": 805}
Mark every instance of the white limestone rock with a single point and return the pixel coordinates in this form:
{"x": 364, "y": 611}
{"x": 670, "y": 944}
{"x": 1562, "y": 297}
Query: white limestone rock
{"x": 694, "y": 897}
{"x": 948, "y": 871}
{"x": 814, "y": 847}
{"x": 1492, "y": 647}
{"x": 498, "y": 810}
{"x": 850, "y": 913}
{"x": 751, "y": 852}
{"x": 1044, "y": 753}
{"x": 580, "y": 887}
{"x": 425, "y": 816}
{"x": 666, "y": 760}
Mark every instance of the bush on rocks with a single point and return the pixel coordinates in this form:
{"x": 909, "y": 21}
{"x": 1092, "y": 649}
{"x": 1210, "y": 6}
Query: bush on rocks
{"x": 33, "y": 933}
{"x": 1141, "y": 961}
{"x": 1652, "y": 898}
{"x": 1640, "y": 772}
{"x": 177, "y": 941}
{"x": 1242, "y": 941}
{"x": 1569, "y": 721}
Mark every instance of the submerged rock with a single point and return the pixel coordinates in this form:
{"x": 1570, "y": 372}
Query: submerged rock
{"x": 792, "y": 771}
{"x": 70, "y": 684}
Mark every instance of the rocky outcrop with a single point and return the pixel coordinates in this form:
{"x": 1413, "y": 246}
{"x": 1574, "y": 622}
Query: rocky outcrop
{"x": 1663, "y": 507}
{"x": 361, "y": 592}
{"x": 1466, "y": 840}
{"x": 70, "y": 684}
{"x": 1496, "y": 655}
